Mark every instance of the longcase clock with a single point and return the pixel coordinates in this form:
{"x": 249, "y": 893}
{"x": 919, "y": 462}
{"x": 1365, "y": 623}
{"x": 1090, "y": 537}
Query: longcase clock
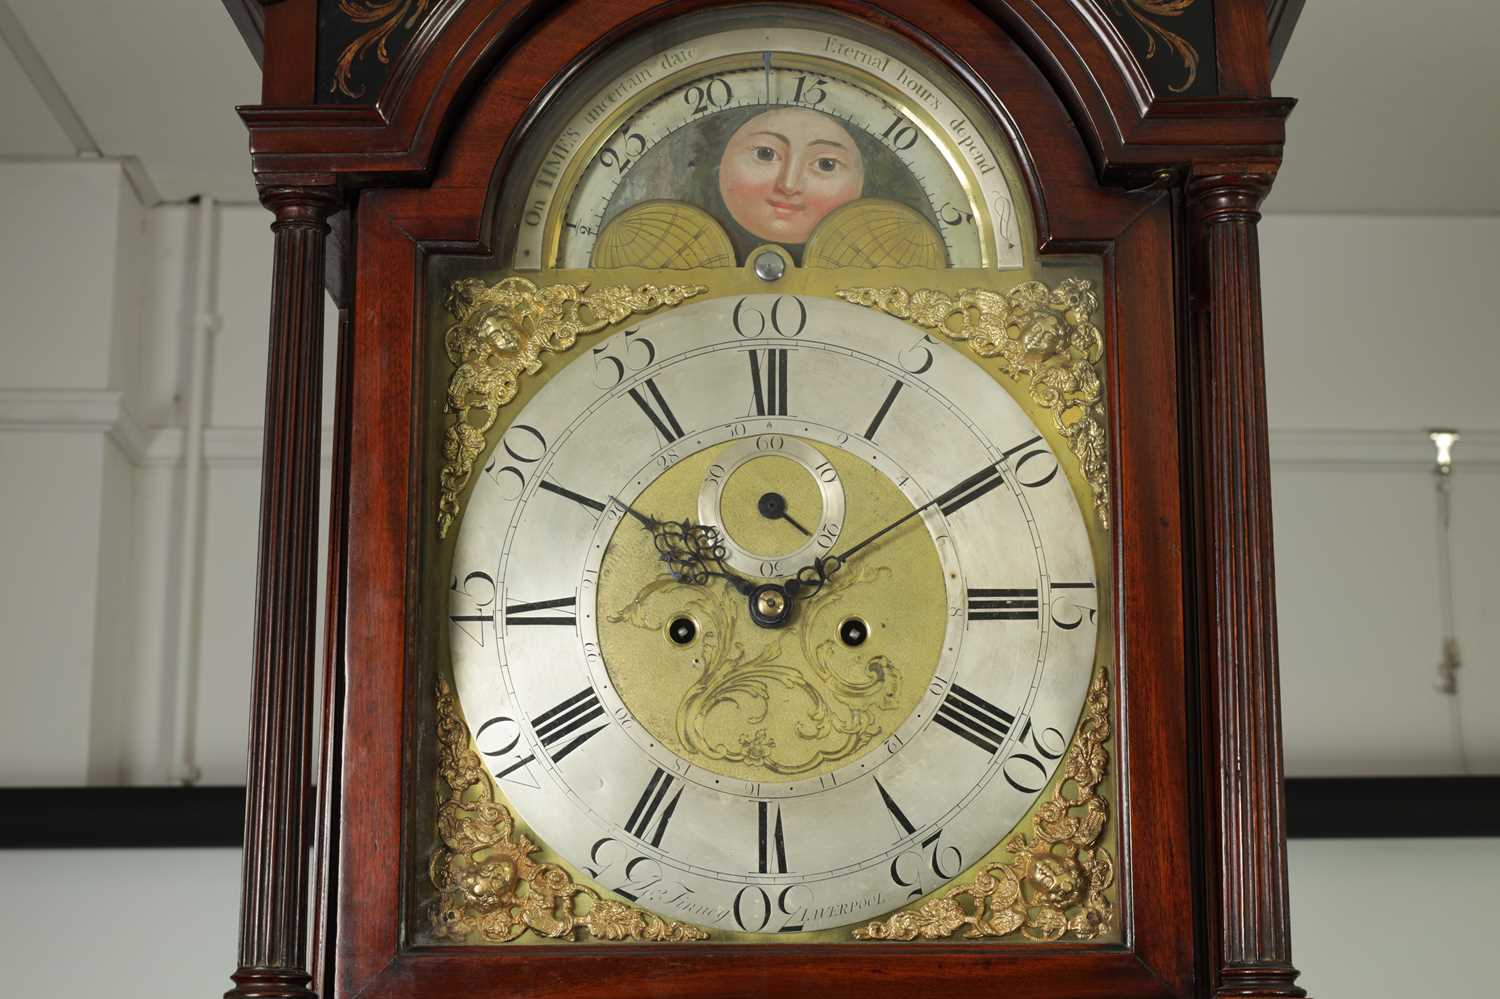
{"x": 800, "y": 512}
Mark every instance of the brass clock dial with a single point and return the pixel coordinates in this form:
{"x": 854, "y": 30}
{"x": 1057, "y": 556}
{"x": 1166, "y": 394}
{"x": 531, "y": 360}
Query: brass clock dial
{"x": 775, "y": 604}
{"x": 803, "y": 772}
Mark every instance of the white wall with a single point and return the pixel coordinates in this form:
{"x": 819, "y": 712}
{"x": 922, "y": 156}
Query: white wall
{"x": 70, "y": 288}
{"x": 1392, "y": 919}
{"x": 1378, "y": 329}
{"x": 1375, "y": 330}
{"x": 94, "y": 353}
{"x": 130, "y": 924}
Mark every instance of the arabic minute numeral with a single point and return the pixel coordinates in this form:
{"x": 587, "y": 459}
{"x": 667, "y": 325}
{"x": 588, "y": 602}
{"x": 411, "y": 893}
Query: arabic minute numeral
{"x": 491, "y": 741}
{"x": 483, "y": 608}
{"x": 640, "y": 874}
{"x": 1064, "y": 602}
{"x": 526, "y": 446}
{"x": 901, "y": 134}
{"x": 1030, "y": 450}
{"x": 618, "y": 355}
{"x": 1026, "y": 771}
{"x": 945, "y": 861}
{"x": 787, "y": 318}
{"x": 918, "y": 358}
{"x": 753, "y": 909}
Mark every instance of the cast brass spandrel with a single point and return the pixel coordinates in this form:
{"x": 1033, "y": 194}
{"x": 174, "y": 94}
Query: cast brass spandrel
{"x": 1042, "y": 336}
{"x": 499, "y": 333}
{"x": 490, "y": 889}
{"x": 1054, "y": 886}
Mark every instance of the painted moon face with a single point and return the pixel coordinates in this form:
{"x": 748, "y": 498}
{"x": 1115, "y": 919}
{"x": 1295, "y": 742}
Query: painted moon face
{"x": 784, "y": 170}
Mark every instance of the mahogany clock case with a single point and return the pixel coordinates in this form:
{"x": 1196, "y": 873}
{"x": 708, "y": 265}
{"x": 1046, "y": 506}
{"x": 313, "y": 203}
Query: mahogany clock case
{"x": 1069, "y": 98}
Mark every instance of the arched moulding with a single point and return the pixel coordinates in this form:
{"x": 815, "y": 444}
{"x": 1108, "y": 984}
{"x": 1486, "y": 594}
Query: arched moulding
{"x": 463, "y": 50}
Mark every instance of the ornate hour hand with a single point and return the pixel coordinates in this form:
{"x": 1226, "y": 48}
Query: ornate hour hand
{"x": 693, "y": 553}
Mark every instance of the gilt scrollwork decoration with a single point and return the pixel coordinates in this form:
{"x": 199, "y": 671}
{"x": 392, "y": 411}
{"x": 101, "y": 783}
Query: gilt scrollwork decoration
{"x": 499, "y": 333}
{"x": 1145, "y": 13}
{"x": 490, "y": 888}
{"x": 828, "y": 705}
{"x": 1044, "y": 337}
{"x": 386, "y": 18}
{"x": 1054, "y": 886}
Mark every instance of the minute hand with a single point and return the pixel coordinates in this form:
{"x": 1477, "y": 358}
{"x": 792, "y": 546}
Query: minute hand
{"x": 977, "y": 481}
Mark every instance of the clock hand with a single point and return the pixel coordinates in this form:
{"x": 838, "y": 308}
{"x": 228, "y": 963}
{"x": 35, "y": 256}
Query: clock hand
{"x": 823, "y": 568}
{"x": 688, "y": 549}
{"x": 649, "y": 523}
{"x": 772, "y": 506}
{"x": 984, "y": 473}
{"x": 788, "y": 518}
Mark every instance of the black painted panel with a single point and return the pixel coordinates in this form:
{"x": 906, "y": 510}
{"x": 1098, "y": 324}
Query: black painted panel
{"x": 1174, "y": 42}
{"x": 358, "y": 43}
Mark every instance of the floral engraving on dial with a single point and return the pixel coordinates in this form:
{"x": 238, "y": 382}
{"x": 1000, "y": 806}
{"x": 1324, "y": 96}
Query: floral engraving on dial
{"x": 500, "y": 331}
{"x": 490, "y": 888}
{"x": 837, "y": 712}
{"x": 1055, "y": 884}
{"x": 1046, "y": 336}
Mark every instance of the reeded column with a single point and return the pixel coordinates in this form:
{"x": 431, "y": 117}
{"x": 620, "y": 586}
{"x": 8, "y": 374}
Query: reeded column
{"x": 278, "y": 823}
{"x": 1237, "y": 587}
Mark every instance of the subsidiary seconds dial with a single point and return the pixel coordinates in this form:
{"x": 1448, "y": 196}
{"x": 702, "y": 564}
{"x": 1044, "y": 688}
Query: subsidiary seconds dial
{"x": 899, "y": 721}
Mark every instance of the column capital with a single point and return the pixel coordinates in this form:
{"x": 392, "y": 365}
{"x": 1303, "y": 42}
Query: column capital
{"x": 301, "y": 204}
{"x": 1228, "y": 192}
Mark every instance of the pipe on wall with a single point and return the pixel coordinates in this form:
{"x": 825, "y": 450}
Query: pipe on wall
{"x": 182, "y": 768}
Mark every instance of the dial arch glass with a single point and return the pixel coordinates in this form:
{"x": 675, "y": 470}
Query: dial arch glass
{"x": 766, "y": 125}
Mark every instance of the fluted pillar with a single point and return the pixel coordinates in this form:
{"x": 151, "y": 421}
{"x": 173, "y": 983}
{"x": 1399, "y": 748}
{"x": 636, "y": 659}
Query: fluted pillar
{"x": 278, "y": 823}
{"x": 1231, "y": 480}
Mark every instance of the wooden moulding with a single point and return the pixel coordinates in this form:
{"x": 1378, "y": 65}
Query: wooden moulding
{"x": 1234, "y": 580}
{"x": 273, "y": 910}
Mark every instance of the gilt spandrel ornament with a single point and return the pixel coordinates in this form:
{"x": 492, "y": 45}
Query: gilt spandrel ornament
{"x": 499, "y": 333}
{"x": 1044, "y": 337}
{"x": 1055, "y": 885}
{"x": 491, "y": 889}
